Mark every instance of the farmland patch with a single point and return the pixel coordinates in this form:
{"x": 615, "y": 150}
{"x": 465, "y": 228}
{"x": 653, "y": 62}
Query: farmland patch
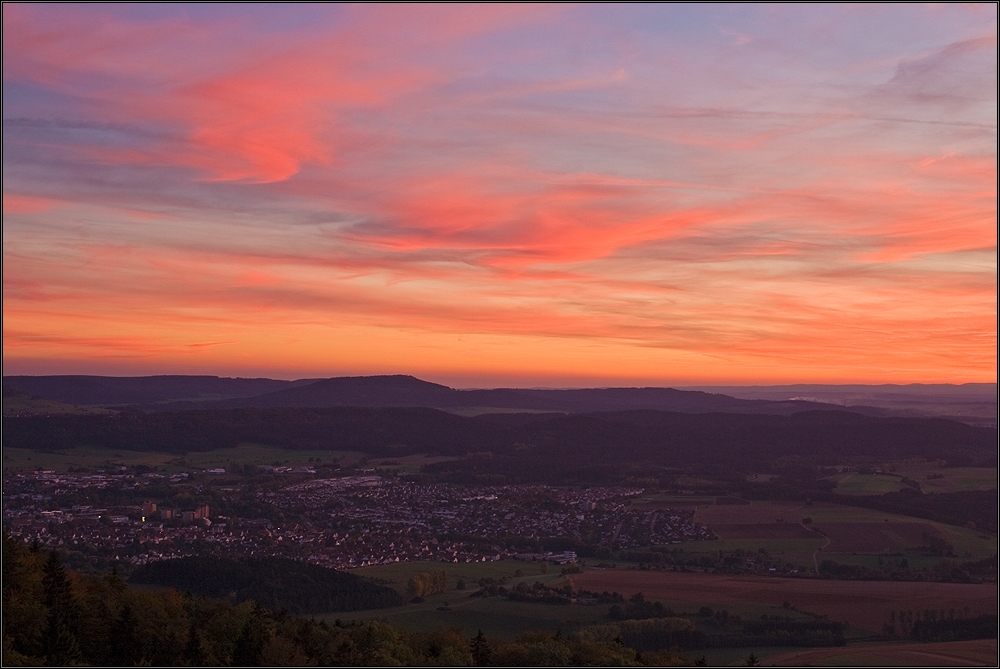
{"x": 757, "y": 513}
{"x": 763, "y": 531}
{"x": 868, "y": 484}
{"x": 863, "y": 604}
{"x": 875, "y": 537}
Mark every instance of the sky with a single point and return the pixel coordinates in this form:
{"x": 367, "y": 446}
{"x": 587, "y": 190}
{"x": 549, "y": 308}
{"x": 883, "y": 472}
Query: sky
{"x": 502, "y": 195}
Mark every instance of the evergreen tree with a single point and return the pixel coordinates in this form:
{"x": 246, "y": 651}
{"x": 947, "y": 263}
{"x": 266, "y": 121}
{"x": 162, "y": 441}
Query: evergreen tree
{"x": 193, "y": 654}
{"x": 59, "y": 640}
{"x": 250, "y": 644}
{"x": 126, "y": 645}
{"x": 480, "y": 650}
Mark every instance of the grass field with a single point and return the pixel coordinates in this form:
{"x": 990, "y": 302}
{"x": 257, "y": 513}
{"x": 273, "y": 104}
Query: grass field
{"x": 867, "y": 484}
{"x": 398, "y": 574}
{"x": 953, "y": 479}
{"x": 23, "y": 459}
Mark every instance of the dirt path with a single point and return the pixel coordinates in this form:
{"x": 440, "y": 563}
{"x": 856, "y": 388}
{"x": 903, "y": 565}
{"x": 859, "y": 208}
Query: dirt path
{"x": 816, "y": 552}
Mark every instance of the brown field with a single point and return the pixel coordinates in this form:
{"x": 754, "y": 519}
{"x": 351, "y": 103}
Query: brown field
{"x": 863, "y": 604}
{"x": 656, "y": 504}
{"x": 416, "y": 459}
{"x": 875, "y": 537}
{"x": 979, "y": 653}
{"x": 723, "y": 501}
{"x": 764, "y": 531}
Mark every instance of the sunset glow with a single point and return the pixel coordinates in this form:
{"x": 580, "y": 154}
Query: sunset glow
{"x": 488, "y": 195}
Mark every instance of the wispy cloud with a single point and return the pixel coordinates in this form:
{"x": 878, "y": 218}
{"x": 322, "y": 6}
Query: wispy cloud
{"x": 657, "y": 193}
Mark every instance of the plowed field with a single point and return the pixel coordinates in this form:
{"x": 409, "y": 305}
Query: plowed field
{"x": 875, "y": 537}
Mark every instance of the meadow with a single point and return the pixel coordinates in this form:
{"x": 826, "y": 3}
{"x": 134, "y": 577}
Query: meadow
{"x": 953, "y": 479}
{"x": 867, "y": 484}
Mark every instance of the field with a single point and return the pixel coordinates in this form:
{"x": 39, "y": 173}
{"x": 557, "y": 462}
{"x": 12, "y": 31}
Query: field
{"x": 798, "y": 551}
{"x": 848, "y": 529}
{"x": 410, "y": 463}
{"x": 979, "y": 653}
{"x": 954, "y": 479}
{"x": 20, "y": 458}
{"x": 867, "y": 484}
{"x": 863, "y": 604}
{"x": 399, "y": 573}
{"x": 764, "y": 531}
{"x": 496, "y": 617}
{"x": 883, "y": 537}
{"x": 931, "y": 479}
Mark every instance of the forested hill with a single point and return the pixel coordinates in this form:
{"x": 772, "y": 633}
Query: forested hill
{"x": 131, "y": 390}
{"x": 551, "y": 443}
{"x": 179, "y": 393}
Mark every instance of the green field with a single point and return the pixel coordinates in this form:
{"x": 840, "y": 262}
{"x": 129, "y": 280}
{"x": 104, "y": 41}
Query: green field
{"x": 93, "y": 456}
{"x": 953, "y": 479}
{"x": 969, "y": 544}
{"x": 868, "y": 484}
{"x": 399, "y": 573}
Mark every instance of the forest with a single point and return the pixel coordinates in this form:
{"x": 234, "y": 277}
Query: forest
{"x": 55, "y": 616}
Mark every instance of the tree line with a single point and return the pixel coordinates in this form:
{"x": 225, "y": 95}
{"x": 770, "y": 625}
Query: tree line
{"x": 277, "y": 583}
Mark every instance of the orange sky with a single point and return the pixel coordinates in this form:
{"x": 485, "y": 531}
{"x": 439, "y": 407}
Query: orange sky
{"x": 491, "y": 195}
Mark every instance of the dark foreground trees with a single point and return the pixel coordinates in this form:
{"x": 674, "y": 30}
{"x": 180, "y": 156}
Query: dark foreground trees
{"x": 56, "y": 617}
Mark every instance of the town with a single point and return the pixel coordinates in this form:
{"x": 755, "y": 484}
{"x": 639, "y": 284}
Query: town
{"x": 353, "y": 520}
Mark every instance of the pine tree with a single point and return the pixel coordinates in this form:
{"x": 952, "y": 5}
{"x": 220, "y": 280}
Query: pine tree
{"x": 126, "y": 644}
{"x": 193, "y": 654}
{"x": 250, "y": 644}
{"x": 481, "y": 651}
{"x": 59, "y": 640}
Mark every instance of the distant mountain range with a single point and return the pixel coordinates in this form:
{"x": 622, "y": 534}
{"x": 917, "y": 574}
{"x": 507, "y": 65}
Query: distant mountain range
{"x": 973, "y": 403}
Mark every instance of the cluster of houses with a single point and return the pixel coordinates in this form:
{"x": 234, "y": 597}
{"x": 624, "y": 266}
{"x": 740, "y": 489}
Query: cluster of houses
{"x": 343, "y": 522}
